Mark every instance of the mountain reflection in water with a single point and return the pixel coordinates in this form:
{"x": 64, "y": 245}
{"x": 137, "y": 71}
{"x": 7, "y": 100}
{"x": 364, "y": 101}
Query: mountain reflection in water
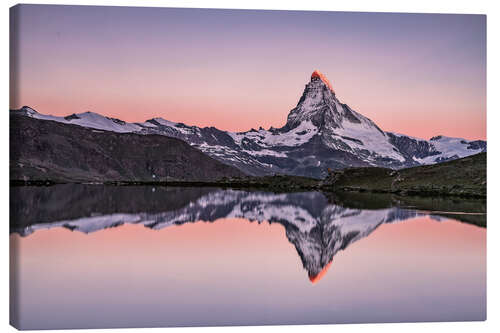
{"x": 317, "y": 226}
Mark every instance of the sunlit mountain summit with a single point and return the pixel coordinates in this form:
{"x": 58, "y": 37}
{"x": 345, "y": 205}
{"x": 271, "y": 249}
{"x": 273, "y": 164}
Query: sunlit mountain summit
{"x": 320, "y": 133}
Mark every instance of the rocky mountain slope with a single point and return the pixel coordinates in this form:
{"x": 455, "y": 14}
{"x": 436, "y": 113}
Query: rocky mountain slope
{"x": 48, "y": 150}
{"x": 321, "y": 132}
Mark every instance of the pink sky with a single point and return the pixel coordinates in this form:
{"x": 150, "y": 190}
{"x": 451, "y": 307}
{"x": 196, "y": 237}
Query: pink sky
{"x": 418, "y": 74}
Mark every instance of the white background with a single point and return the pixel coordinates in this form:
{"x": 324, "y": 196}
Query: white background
{"x": 491, "y": 8}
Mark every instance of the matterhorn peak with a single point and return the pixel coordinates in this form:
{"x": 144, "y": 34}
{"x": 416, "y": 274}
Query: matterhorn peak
{"x": 314, "y": 278}
{"x": 318, "y": 75}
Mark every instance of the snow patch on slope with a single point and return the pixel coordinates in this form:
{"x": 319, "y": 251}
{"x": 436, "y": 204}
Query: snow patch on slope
{"x": 295, "y": 137}
{"x": 93, "y": 120}
{"x": 372, "y": 139}
{"x": 449, "y": 148}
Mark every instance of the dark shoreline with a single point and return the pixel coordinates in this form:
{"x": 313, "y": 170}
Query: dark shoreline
{"x": 462, "y": 178}
{"x": 158, "y": 196}
{"x": 262, "y": 185}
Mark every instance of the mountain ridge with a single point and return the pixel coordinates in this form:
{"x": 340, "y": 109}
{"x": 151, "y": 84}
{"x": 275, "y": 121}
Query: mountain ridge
{"x": 48, "y": 150}
{"x": 320, "y": 133}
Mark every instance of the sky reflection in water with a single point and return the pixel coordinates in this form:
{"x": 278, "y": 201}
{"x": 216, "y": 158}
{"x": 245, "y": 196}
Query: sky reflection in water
{"x": 131, "y": 257}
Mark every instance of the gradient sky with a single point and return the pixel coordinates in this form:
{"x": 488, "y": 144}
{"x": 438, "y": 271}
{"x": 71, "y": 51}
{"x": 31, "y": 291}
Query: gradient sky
{"x": 417, "y": 74}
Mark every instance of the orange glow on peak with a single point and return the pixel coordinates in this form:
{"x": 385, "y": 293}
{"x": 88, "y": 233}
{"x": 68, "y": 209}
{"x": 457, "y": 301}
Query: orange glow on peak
{"x": 322, "y": 77}
{"x": 315, "y": 278}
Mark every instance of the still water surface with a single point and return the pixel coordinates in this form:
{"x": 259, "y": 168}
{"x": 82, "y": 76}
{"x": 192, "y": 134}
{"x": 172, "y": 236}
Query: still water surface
{"x": 88, "y": 256}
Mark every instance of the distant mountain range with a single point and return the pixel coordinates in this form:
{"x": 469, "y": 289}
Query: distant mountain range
{"x": 321, "y": 133}
{"x": 50, "y": 151}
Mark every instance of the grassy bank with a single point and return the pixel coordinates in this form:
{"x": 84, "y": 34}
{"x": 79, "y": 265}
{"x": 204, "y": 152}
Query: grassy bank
{"x": 464, "y": 177}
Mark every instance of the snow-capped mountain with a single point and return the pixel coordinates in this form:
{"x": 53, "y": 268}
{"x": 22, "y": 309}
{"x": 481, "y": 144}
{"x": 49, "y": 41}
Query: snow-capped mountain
{"x": 316, "y": 228}
{"x": 321, "y": 132}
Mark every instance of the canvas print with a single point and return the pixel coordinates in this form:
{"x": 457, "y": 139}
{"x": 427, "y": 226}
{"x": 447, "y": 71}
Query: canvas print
{"x": 210, "y": 167}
